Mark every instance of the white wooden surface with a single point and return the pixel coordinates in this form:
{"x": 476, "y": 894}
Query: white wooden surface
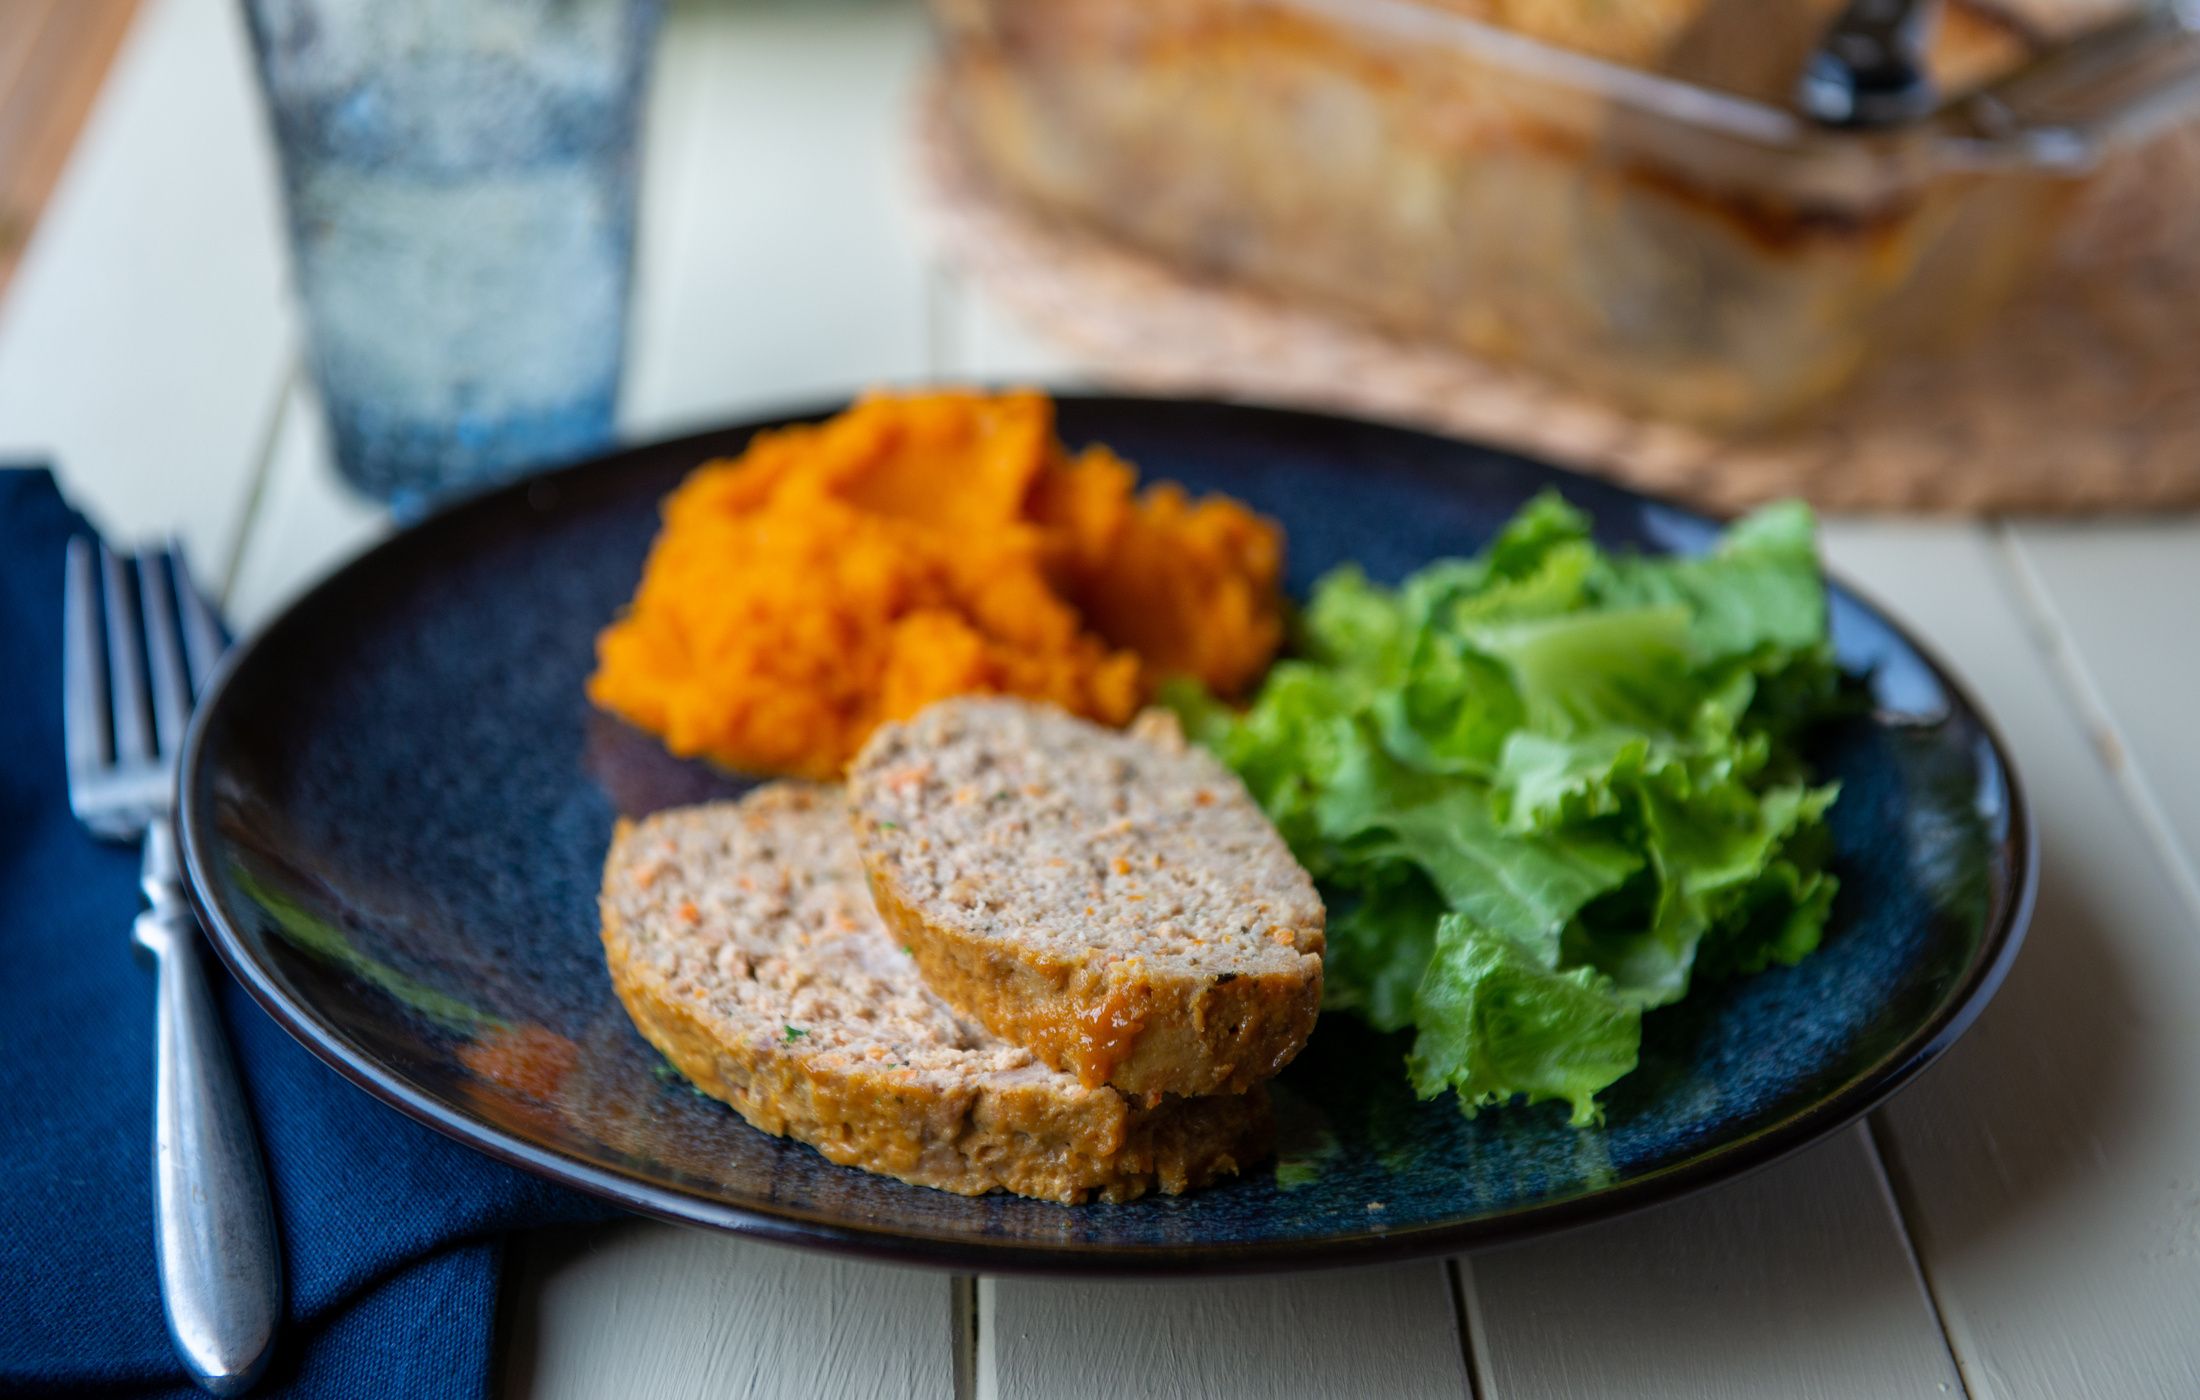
{"x": 635, "y": 1310}
{"x": 1792, "y": 1282}
{"x": 1222, "y": 1339}
{"x": 2024, "y": 1222}
{"x": 2048, "y": 1165}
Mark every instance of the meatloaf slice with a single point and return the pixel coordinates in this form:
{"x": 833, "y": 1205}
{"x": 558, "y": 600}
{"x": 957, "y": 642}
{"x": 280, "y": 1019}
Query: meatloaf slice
{"x": 1113, "y": 901}
{"x": 744, "y": 944}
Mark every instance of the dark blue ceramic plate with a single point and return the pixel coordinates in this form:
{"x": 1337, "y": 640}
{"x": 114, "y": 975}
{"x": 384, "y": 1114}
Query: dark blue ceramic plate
{"x": 396, "y": 802}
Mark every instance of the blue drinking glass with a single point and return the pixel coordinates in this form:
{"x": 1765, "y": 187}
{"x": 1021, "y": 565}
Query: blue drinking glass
{"x": 459, "y": 177}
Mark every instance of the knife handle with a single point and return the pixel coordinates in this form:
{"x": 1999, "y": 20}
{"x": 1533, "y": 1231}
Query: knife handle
{"x": 213, "y": 1227}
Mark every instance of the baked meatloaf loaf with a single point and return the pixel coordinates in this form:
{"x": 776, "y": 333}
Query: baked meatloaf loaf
{"x": 745, "y": 946}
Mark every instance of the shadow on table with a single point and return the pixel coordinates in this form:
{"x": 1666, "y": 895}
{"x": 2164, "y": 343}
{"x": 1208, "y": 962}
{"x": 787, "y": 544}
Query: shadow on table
{"x": 517, "y": 1346}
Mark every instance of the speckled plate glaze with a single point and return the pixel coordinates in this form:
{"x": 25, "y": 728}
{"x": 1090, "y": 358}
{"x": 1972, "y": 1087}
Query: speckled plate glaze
{"x": 397, "y": 800}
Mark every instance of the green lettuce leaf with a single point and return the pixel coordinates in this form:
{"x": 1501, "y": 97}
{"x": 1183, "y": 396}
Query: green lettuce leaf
{"x": 1580, "y": 672}
{"x": 1758, "y": 591}
{"x": 1374, "y": 808}
{"x": 1499, "y": 1018}
{"x": 1546, "y": 789}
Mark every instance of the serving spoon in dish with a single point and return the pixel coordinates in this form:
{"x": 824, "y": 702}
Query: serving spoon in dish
{"x": 1868, "y": 70}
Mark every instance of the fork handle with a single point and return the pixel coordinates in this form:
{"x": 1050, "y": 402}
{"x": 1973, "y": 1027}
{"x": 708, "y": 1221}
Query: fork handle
{"x": 220, "y": 1272}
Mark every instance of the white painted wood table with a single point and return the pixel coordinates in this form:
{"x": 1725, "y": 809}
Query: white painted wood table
{"x": 2023, "y": 1222}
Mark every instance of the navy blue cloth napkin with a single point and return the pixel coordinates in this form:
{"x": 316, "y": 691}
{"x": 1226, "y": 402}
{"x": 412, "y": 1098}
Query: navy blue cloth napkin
{"x": 390, "y": 1230}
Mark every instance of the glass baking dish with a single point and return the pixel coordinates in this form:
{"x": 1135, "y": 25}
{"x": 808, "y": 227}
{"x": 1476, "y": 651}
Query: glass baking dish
{"x": 1688, "y": 250}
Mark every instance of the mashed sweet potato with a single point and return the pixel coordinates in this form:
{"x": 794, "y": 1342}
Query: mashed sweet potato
{"x": 916, "y": 547}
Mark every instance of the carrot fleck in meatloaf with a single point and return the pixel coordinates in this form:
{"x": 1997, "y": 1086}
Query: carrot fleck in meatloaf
{"x": 1113, "y": 901}
{"x": 746, "y": 947}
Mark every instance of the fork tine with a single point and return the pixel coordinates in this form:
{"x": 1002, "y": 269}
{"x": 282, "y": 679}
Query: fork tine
{"x": 125, "y": 665}
{"x": 164, "y": 648}
{"x": 202, "y": 635}
{"x": 83, "y": 666}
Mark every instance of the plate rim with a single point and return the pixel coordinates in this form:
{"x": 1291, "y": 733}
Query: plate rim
{"x": 1998, "y": 948}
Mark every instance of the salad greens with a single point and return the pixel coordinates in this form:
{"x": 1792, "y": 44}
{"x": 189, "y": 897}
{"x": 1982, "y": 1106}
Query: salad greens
{"x": 1545, "y": 788}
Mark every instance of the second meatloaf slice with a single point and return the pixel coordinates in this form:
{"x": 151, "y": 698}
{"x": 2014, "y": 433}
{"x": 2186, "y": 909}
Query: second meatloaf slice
{"x": 1113, "y": 901}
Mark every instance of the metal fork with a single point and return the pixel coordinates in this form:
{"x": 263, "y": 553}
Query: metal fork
{"x": 128, "y": 687}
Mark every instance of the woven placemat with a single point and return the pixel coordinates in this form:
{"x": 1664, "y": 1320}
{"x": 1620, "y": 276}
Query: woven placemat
{"x": 2084, "y": 397}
